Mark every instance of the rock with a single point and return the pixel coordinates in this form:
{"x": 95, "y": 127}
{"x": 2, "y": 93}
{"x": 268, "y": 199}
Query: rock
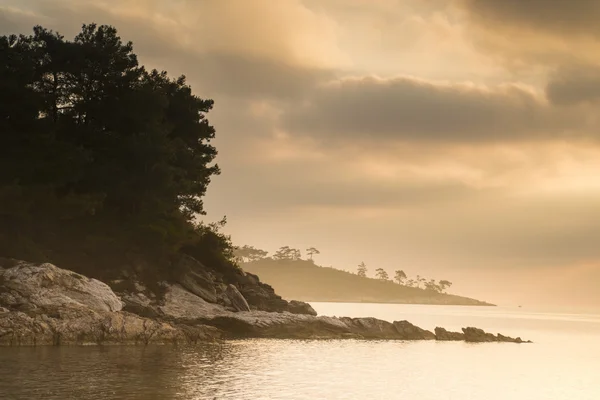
{"x": 371, "y": 328}
{"x": 409, "y": 331}
{"x": 84, "y": 327}
{"x": 280, "y": 325}
{"x": 478, "y": 335}
{"x": 139, "y": 304}
{"x": 46, "y": 305}
{"x": 300, "y": 307}
{"x": 260, "y": 296}
{"x": 442, "y": 334}
{"x": 181, "y": 305}
{"x": 43, "y": 287}
{"x": 238, "y": 302}
{"x": 196, "y": 278}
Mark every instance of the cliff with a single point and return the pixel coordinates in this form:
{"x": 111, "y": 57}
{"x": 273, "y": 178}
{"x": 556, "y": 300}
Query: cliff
{"x": 303, "y": 280}
{"x": 41, "y": 304}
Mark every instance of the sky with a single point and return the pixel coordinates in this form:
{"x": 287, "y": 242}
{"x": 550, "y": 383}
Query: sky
{"x": 455, "y": 139}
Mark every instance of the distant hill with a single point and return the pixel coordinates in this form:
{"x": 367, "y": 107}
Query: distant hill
{"x": 306, "y": 281}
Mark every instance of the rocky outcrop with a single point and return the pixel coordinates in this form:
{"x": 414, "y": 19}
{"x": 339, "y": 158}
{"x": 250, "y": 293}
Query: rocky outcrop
{"x": 214, "y": 287}
{"x": 300, "y": 307}
{"x": 46, "y": 305}
{"x": 480, "y": 336}
{"x": 238, "y": 302}
{"x": 43, "y": 288}
{"x": 442, "y": 334}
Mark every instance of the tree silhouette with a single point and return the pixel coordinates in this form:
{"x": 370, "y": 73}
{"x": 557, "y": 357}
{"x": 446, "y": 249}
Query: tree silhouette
{"x": 400, "y": 276}
{"x": 97, "y": 154}
{"x": 362, "y": 270}
{"x": 249, "y": 253}
{"x": 444, "y": 284}
{"x": 287, "y": 253}
{"x": 312, "y": 251}
{"x": 381, "y": 274}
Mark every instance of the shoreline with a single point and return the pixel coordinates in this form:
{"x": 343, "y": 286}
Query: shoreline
{"x": 41, "y": 304}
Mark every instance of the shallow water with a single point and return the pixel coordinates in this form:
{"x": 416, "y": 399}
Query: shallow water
{"x": 562, "y": 364}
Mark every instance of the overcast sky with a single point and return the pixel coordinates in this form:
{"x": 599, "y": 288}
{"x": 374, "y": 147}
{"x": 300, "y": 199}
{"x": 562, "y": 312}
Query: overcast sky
{"x": 456, "y": 139}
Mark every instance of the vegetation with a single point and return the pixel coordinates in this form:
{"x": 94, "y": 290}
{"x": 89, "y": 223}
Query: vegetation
{"x": 304, "y": 280}
{"x": 101, "y": 160}
{"x": 248, "y": 254}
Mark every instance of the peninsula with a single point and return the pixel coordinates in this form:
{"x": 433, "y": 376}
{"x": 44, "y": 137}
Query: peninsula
{"x": 103, "y": 168}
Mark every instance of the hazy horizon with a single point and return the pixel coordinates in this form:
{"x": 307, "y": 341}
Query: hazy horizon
{"x": 455, "y": 139}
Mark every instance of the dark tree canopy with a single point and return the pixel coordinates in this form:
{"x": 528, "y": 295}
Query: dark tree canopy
{"x": 90, "y": 141}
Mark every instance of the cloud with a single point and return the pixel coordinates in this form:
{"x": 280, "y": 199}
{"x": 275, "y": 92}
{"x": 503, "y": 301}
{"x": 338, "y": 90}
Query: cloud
{"x": 534, "y": 34}
{"x": 575, "y": 17}
{"x": 411, "y": 109}
{"x": 274, "y": 51}
{"x": 571, "y": 85}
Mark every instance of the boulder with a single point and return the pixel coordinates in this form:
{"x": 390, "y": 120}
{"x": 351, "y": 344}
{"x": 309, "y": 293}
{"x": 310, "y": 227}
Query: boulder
{"x": 238, "y": 302}
{"x": 408, "y": 331}
{"x": 196, "y": 278}
{"x": 300, "y": 307}
{"x": 180, "y": 305}
{"x": 45, "y": 287}
{"x": 371, "y": 328}
{"x": 442, "y": 334}
{"x": 478, "y": 335}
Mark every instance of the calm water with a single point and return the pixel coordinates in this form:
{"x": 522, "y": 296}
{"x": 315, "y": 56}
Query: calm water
{"x": 562, "y": 364}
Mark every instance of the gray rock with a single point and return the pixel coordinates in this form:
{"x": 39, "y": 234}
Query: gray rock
{"x": 300, "y": 307}
{"x": 45, "y": 287}
{"x": 478, "y": 335}
{"x": 442, "y": 334}
{"x": 196, "y": 278}
{"x": 408, "y": 331}
{"x": 84, "y": 327}
{"x": 238, "y": 302}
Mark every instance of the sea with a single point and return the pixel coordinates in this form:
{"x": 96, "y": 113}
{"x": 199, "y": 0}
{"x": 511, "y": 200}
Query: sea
{"x": 562, "y": 363}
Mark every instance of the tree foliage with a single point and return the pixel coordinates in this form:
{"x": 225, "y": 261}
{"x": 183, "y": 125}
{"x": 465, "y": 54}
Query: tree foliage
{"x": 287, "y": 253}
{"x": 400, "y": 276}
{"x": 312, "y": 251}
{"x": 249, "y": 253}
{"x": 381, "y": 274}
{"x": 362, "y": 269}
{"x": 96, "y": 152}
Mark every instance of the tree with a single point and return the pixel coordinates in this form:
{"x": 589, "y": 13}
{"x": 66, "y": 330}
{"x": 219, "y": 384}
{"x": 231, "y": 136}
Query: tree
{"x": 287, "y": 253}
{"x": 411, "y": 283}
{"x": 312, "y": 251}
{"x": 444, "y": 284}
{"x": 400, "y": 276}
{"x": 381, "y": 274}
{"x": 362, "y": 270}
{"x": 249, "y": 253}
{"x": 97, "y": 153}
{"x": 432, "y": 286}
{"x": 420, "y": 281}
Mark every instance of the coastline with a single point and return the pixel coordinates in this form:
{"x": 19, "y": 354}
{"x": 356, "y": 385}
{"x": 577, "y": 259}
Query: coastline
{"x": 41, "y": 304}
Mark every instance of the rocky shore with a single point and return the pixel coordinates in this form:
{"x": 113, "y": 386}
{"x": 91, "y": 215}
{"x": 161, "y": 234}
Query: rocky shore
{"x": 41, "y": 304}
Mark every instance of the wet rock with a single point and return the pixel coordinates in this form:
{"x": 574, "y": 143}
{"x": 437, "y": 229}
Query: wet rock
{"x": 443, "y": 334}
{"x": 300, "y": 307}
{"x": 408, "y": 331}
{"x": 238, "y": 302}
